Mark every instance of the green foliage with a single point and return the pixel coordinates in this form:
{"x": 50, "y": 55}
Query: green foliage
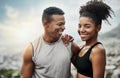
{"x": 109, "y": 75}
{"x": 111, "y": 54}
{"x": 112, "y": 45}
{"x": 10, "y": 73}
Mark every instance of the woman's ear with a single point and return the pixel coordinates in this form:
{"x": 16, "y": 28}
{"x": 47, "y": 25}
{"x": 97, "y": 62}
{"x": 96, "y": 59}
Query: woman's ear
{"x": 98, "y": 28}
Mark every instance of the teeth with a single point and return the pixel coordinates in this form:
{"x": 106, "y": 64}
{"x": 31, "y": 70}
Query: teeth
{"x": 60, "y": 32}
{"x": 83, "y": 35}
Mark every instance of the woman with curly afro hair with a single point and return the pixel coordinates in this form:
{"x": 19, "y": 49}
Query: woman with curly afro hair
{"x": 90, "y": 61}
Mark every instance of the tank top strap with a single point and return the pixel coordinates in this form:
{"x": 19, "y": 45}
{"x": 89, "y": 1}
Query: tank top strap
{"x": 80, "y": 49}
{"x": 36, "y": 44}
{"x": 93, "y": 46}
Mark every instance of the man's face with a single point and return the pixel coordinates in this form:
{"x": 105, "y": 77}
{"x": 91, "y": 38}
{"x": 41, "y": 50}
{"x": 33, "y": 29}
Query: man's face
{"x": 55, "y": 28}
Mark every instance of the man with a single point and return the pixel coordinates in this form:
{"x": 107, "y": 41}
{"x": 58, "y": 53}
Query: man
{"x": 47, "y": 56}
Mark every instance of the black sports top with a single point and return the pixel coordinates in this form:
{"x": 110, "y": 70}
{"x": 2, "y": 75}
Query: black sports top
{"x": 83, "y": 64}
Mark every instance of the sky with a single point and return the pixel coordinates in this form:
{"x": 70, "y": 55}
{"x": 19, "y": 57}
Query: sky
{"x": 20, "y": 20}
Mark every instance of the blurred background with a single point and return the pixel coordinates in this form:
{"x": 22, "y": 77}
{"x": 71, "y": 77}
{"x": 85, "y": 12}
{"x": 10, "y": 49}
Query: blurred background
{"x": 20, "y": 23}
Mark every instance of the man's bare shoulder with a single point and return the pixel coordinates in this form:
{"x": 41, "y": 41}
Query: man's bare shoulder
{"x": 28, "y": 53}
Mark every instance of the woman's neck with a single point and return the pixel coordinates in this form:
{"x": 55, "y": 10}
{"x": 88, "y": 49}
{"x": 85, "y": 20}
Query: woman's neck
{"x": 91, "y": 42}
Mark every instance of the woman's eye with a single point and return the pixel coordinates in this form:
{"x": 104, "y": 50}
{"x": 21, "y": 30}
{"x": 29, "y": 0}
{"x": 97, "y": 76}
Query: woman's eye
{"x": 87, "y": 26}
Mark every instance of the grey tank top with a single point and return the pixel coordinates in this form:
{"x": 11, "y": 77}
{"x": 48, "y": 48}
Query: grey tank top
{"x": 51, "y": 60}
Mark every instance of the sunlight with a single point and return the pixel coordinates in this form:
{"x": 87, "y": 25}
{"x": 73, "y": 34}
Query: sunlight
{"x": 23, "y": 35}
{"x": 27, "y": 34}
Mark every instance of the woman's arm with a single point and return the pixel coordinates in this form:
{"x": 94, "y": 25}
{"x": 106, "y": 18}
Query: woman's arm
{"x": 75, "y": 48}
{"x": 67, "y": 39}
{"x": 98, "y": 59}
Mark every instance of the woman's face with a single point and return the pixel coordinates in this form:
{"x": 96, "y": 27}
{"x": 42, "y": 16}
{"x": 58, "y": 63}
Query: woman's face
{"x": 87, "y": 29}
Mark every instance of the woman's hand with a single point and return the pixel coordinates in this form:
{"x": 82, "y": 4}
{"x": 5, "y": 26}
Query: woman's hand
{"x": 67, "y": 39}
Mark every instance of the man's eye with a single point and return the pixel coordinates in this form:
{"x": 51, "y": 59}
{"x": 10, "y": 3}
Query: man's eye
{"x": 60, "y": 24}
{"x": 79, "y": 26}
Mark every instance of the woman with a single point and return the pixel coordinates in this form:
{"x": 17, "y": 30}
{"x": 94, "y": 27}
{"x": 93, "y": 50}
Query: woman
{"x": 90, "y": 61}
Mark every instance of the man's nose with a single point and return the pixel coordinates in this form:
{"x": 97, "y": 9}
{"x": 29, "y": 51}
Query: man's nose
{"x": 63, "y": 27}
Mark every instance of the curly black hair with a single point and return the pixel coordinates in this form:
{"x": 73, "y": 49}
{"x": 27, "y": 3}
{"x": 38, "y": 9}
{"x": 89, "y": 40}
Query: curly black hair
{"x": 97, "y": 10}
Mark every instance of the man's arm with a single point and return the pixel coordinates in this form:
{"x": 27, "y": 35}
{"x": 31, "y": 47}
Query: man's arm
{"x": 27, "y": 66}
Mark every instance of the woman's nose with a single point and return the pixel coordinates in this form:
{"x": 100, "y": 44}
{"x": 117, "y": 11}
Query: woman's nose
{"x": 82, "y": 29}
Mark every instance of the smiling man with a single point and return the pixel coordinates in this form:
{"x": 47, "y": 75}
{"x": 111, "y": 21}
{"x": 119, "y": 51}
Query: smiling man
{"x": 47, "y": 56}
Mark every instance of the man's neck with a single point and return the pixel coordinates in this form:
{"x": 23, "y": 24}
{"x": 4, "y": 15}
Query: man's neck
{"x": 48, "y": 39}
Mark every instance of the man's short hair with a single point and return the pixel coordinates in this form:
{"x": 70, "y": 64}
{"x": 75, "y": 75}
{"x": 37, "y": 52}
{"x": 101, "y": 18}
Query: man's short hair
{"x": 48, "y": 12}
